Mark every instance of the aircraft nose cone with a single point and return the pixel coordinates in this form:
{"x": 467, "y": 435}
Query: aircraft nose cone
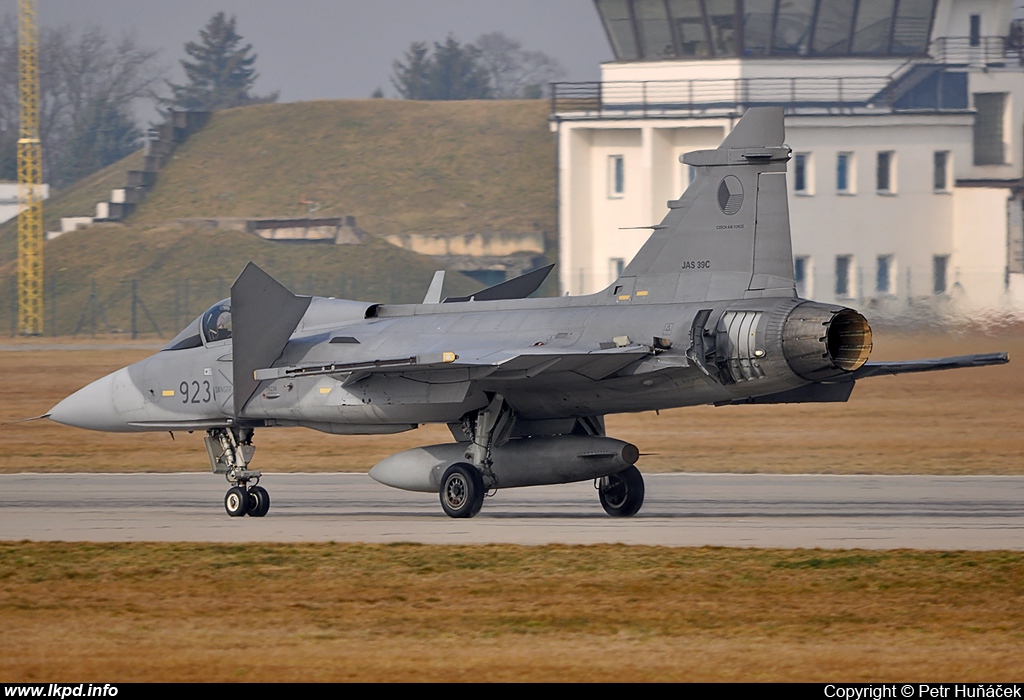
{"x": 95, "y": 407}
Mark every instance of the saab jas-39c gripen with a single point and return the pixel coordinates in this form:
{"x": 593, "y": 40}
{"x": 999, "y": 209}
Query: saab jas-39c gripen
{"x": 706, "y": 313}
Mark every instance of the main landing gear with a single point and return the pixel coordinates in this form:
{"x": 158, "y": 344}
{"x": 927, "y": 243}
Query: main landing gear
{"x": 464, "y": 484}
{"x": 621, "y": 494}
{"x": 230, "y": 451}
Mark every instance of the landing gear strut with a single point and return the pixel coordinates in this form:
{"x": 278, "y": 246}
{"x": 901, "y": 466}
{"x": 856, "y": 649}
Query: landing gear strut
{"x": 464, "y": 484}
{"x": 230, "y": 451}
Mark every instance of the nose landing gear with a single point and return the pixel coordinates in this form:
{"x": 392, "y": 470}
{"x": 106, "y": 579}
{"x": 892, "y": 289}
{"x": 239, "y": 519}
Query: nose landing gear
{"x": 230, "y": 451}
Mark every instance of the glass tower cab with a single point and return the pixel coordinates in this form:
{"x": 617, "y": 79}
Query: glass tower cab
{"x": 674, "y": 29}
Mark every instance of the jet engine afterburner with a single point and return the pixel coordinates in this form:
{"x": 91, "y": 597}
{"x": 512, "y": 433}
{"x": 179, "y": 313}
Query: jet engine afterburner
{"x": 822, "y": 342}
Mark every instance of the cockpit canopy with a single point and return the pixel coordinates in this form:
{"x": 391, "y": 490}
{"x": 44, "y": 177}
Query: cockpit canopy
{"x": 217, "y": 322}
{"x": 212, "y": 327}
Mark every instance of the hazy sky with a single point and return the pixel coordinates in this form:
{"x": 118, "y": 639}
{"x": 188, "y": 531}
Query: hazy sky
{"x": 329, "y": 49}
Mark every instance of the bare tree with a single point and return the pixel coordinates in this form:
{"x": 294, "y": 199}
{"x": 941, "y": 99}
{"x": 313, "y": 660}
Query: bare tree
{"x": 88, "y": 85}
{"x": 9, "y": 109}
{"x": 92, "y": 84}
{"x": 516, "y": 73}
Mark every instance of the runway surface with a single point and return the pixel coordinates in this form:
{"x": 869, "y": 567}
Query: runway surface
{"x": 736, "y": 510}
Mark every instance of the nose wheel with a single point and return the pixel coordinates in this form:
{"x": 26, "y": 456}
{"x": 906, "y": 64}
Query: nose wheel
{"x": 253, "y": 501}
{"x": 259, "y": 501}
{"x": 236, "y": 502}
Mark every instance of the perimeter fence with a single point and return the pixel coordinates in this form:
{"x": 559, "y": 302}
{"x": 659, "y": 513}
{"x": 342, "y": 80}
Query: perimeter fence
{"x": 81, "y": 306}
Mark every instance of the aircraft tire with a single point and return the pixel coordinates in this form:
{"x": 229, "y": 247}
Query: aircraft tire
{"x": 462, "y": 490}
{"x": 259, "y": 502}
{"x": 623, "y": 495}
{"x": 236, "y": 502}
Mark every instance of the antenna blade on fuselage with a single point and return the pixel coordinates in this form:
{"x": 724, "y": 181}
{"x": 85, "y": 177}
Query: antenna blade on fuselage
{"x": 433, "y": 295}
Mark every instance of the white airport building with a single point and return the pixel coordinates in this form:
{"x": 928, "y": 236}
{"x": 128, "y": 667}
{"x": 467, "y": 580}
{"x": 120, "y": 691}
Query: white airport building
{"x": 906, "y": 120}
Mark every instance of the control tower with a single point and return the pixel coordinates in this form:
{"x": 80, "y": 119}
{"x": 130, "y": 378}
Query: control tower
{"x": 906, "y": 119}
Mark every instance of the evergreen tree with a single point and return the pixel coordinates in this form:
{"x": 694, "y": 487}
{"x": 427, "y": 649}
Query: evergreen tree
{"x": 411, "y": 78}
{"x": 457, "y": 73}
{"x": 452, "y": 72}
{"x": 221, "y": 73}
{"x": 495, "y": 66}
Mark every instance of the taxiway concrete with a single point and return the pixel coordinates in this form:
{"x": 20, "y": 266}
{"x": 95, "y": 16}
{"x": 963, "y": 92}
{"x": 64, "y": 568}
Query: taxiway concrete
{"x": 874, "y": 512}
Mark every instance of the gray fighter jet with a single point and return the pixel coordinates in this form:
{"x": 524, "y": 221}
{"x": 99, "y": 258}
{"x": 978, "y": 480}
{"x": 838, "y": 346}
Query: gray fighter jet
{"x": 706, "y": 313}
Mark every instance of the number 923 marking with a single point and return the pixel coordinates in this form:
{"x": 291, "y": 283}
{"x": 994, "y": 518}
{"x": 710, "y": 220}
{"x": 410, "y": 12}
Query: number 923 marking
{"x": 195, "y": 392}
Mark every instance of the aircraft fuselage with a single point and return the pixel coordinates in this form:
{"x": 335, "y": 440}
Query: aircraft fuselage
{"x": 586, "y": 375}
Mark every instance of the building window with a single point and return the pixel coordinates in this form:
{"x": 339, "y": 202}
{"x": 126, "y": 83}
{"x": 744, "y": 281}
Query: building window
{"x": 689, "y": 174}
{"x": 989, "y": 127}
{"x": 975, "y": 31}
{"x": 885, "y": 178}
{"x": 618, "y": 22}
{"x": 940, "y": 179}
{"x": 844, "y": 282}
{"x": 654, "y": 30}
{"x": 845, "y": 176}
{"x": 615, "y": 267}
{"x": 803, "y": 275}
{"x": 940, "y": 263}
{"x": 803, "y": 174}
{"x": 690, "y": 28}
{"x": 616, "y": 176}
{"x": 885, "y": 275}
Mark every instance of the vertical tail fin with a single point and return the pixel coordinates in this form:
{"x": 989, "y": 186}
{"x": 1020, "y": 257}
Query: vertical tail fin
{"x": 728, "y": 236}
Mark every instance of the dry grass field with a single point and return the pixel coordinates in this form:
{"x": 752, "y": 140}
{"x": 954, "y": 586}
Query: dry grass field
{"x": 958, "y": 422}
{"x": 184, "y": 612}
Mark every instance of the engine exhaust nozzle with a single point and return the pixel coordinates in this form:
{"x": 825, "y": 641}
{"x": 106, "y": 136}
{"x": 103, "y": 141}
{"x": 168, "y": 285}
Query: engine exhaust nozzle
{"x": 822, "y": 342}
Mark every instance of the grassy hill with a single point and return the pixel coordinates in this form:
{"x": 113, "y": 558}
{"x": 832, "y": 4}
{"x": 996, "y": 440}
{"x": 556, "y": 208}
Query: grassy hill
{"x": 397, "y": 166}
{"x": 180, "y": 271}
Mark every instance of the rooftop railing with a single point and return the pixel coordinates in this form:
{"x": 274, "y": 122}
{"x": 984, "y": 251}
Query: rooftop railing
{"x": 674, "y": 98}
{"x": 936, "y": 83}
{"x": 986, "y": 51}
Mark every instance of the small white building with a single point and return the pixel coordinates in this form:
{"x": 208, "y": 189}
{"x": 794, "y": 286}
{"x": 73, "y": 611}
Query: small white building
{"x": 906, "y": 119}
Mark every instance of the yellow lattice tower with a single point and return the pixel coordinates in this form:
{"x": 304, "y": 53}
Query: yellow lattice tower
{"x": 30, "y": 154}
